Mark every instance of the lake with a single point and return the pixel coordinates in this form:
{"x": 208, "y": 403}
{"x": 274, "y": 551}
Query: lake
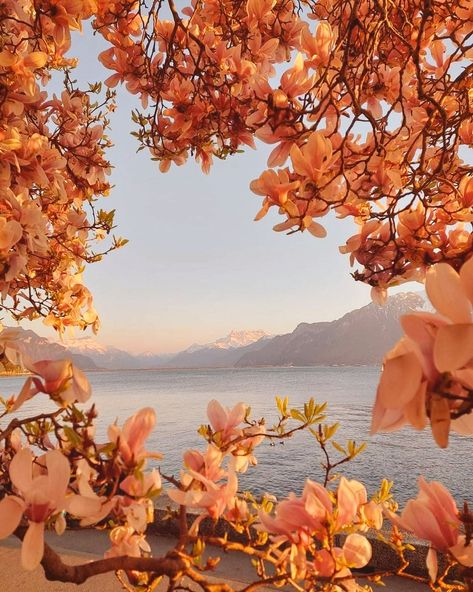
{"x": 180, "y": 398}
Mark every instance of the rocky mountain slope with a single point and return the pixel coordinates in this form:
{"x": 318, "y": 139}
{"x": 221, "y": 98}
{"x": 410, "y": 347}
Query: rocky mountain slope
{"x": 40, "y": 348}
{"x": 359, "y": 337}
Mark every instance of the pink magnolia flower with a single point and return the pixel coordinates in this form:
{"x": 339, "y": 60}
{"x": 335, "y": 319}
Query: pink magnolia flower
{"x": 436, "y": 354}
{"x": 351, "y": 495}
{"x": 61, "y": 379}
{"x": 207, "y": 464}
{"x": 126, "y": 542}
{"x": 139, "y": 514}
{"x": 315, "y": 157}
{"x": 42, "y": 496}
{"x": 213, "y": 497}
{"x": 224, "y": 421}
{"x": 88, "y": 506}
{"x": 131, "y": 438}
{"x": 143, "y": 485}
{"x": 337, "y": 562}
{"x": 298, "y": 519}
{"x": 433, "y": 515}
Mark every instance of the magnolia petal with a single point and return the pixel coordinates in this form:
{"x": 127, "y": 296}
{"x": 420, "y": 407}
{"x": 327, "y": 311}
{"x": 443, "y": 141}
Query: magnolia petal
{"x": 446, "y": 293}
{"x": 440, "y": 501}
{"x": 299, "y": 163}
{"x": 82, "y": 507}
{"x": 357, "y": 550}
{"x": 27, "y": 392}
{"x": 36, "y": 59}
{"x": 105, "y": 510}
{"x": 263, "y": 211}
{"x": 440, "y": 420}
{"x": 415, "y": 410}
{"x": 59, "y": 473}
{"x": 217, "y": 415}
{"x": 190, "y": 498}
{"x": 466, "y": 278}
{"x": 32, "y": 548}
{"x": 432, "y": 563}
{"x": 347, "y": 502}
{"x": 237, "y": 414}
{"x": 11, "y": 511}
{"x": 418, "y": 518}
{"x": 82, "y": 387}
{"x": 463, "y": 425}
{"x": 60, "y": 524}
{"x": 399, "y": 381}
{"x": 463, "y": 554}
{"x": 317, "y": 230}
{"x": 7, "y": 59}
{"x": 379, "y": 295}
{"x": 386, "y": 420}
{"x": 453, "y": 347}
{"x": 464, "y": 376}
{"x": 21, "y": 469}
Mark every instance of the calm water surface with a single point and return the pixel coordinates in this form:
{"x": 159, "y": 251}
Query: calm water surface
{"x": 180, "y": 399}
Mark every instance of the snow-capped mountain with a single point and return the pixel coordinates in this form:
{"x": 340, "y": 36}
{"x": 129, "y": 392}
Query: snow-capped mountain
{"x": 233, "y": 339}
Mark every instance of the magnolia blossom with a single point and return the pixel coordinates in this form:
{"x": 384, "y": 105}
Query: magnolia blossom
{"x": 60, "y": 378}
{"x": 213, "y": 498}
{"x": 298, "y": 520}
{"x": 90, "y": 507}
{"x": 126, "y": 542}
{"x": 433, "y": 516}
{"x": 131, "y": 438}
{"x": 429, "y": 373}
{"x": 142, "y": 485}
{"x": 41, "y": 497}
{"x": 224, "y": 421}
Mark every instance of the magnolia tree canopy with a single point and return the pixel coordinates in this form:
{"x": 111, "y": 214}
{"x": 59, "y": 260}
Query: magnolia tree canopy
{"x": 369, "y": 106}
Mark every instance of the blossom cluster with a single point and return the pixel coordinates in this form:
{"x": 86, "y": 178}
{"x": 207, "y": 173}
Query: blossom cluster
{"x": 371, "y": 120}
{"x": 428, "y": 375}
{"x": 52, "y": 166}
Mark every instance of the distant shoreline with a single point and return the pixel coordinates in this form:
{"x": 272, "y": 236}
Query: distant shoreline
{"x": 193, "y": 368}
{"x": 189, "y": 368}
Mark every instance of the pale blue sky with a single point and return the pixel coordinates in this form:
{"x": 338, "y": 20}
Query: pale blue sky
{"x": 197, "y": 265}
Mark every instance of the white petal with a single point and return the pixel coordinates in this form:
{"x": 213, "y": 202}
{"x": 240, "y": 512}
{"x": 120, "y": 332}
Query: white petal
{"x": 21, "y": 472}
{"x": 462, "y": 554}
{"x": 432, "y": 564}
{"x": 453, "y": 347}
{"x": 445, "y": 291}
{"x": 32, "y": 548}
{"x": 399, "y": 381}
{"x": 11, "y": 511}
{"x": 59, "y": 473}
{"x": 83, "y": 507}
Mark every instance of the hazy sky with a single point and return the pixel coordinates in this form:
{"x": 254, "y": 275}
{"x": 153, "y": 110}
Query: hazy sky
{"x": 197, "y": 265}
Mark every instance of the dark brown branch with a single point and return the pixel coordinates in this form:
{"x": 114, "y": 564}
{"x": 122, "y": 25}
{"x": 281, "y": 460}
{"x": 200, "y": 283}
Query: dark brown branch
{"x": 172, "y": 565}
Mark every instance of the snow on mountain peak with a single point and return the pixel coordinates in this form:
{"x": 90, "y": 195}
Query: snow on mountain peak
{"x": 84, "y": 345}
{"x": 239, "y": 339}
{"x": 233, "y": 339}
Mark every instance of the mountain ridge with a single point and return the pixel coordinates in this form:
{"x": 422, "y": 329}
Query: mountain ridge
{"x": 359, "y": 337}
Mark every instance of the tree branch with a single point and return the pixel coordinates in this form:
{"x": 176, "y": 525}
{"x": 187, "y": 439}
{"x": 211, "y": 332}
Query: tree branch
{"x": 171, "y": 565}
